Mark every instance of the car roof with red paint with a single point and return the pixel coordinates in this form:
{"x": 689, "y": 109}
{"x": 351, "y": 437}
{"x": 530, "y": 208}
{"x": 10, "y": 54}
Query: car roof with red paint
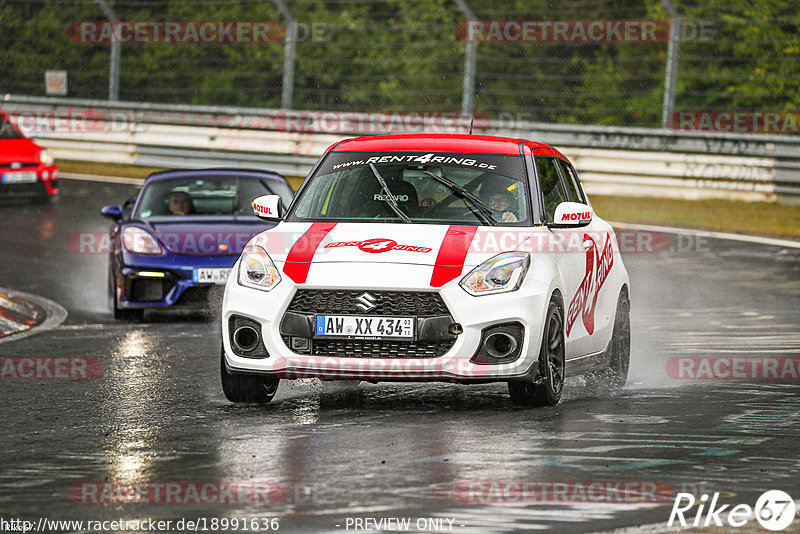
{"x": 457, "y": 143}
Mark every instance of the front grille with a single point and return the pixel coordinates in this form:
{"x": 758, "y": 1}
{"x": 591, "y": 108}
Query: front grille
{"x": 148, "y": 289}
{"x": 343, "y": 302}
{"x": 19, "y": 166}
{"x": 359, "y": 348}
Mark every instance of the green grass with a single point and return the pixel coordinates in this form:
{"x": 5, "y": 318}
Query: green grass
{"x": 106, "y": 169}
{"x": 756, "y": 218}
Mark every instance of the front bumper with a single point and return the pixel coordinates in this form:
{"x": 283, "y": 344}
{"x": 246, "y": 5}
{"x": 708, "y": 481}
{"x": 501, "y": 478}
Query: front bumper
{"x": 526, "y": 306}
{"x": 176, "y": 289}
{"x": 46, "y": 184}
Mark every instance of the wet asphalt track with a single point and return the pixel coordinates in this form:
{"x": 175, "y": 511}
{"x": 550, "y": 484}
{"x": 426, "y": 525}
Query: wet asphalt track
{"x": 376, "y": 451}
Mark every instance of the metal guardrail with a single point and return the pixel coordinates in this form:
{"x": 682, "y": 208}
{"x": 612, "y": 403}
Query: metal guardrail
{"x": 632, "y": 161}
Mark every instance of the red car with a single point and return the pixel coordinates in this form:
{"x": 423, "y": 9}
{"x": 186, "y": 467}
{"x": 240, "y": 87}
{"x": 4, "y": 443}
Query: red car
{"x": 26, "y": 169}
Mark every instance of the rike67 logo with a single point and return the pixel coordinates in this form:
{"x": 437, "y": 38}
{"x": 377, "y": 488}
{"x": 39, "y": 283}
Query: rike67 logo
{"x": 774, "y": 510}
{"x": 597, "y": 269}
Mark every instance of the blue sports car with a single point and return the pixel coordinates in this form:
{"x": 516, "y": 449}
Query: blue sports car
{"x": 178, "y": 239}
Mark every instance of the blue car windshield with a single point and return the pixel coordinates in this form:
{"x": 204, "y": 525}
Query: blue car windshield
{"x": 206, "y": 195}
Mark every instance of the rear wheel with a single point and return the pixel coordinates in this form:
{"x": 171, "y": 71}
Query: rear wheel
{"x": 620, "y": 356}
{"x": 247, "y": 388}
{"x": 120, "y": 314}
{"x": 549, "y": 384}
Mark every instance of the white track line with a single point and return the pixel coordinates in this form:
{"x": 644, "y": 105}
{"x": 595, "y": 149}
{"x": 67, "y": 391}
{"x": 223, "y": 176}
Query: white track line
{"x": 707, "y": 233}
{"x": 97, "y": 178}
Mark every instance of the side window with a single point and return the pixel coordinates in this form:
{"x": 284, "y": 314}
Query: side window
{"x": 571, "y": 179}
{"x": 552, "y": 188}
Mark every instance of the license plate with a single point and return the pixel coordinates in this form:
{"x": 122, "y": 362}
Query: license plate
{"x": 210, "y": 276}
{"x": 360, "y": 327}
{"x": 18, "y": 177}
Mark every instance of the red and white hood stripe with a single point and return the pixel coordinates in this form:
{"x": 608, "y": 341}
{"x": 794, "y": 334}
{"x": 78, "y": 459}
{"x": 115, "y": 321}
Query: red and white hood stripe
{"x": 301, "y": 249}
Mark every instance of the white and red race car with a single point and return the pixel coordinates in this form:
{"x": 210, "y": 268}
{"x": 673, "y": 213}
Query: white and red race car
{"x": 430, "y": 257}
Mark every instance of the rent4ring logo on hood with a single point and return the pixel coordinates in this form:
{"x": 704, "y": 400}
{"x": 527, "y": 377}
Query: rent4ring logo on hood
{"x": 378, "y": 245}
{"x": 499, "y": 164}
{"x": 425, "y": 158}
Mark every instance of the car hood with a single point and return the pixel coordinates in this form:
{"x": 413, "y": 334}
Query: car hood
{"x": 207, "y": 236}
{"x": 20, "y": 150}
{"x": 438, "y": 253}
{"x": 417, "y": 244}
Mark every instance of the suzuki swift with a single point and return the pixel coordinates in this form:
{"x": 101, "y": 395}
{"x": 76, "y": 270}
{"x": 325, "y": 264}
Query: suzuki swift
{"x": 461, "y": 258}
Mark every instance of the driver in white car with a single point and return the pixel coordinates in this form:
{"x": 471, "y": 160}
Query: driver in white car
{"x": 499, "y": 199}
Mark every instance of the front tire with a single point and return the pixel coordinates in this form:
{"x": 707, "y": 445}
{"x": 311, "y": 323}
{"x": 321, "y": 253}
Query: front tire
{"x": 247, "y": 388}
{"x": 549, "y": 384}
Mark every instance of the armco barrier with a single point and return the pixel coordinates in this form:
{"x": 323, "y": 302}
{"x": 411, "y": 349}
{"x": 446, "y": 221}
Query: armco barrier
{"x": 628, "y": 161}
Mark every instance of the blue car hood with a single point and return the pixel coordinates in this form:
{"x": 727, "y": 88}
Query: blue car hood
{"x": 215, "y": 236}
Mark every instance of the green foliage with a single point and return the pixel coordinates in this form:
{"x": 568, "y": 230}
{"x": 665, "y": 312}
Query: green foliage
{"x": 408, "y": 55}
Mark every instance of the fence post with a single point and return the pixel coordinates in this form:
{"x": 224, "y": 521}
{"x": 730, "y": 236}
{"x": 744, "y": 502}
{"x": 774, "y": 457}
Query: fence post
{"x": 470, "y": 59}
{"x": 671, "y": 75}
{"x": 116, "y": 48}
{"x": 289, "y": 53}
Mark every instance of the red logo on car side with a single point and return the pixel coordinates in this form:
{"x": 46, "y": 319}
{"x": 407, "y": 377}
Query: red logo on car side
{"x": 575, "y": 216}
{"x": 266, "y": 210}
{"x": 585, "y": 299}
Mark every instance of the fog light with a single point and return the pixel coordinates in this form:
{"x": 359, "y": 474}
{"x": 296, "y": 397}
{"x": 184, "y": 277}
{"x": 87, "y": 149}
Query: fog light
{"x": 151, "y": 274}
{"x": 500, "y": 343}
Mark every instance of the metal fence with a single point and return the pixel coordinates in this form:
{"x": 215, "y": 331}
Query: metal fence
{"x": 611, "y": 160}
{"x": 571, "y": 62}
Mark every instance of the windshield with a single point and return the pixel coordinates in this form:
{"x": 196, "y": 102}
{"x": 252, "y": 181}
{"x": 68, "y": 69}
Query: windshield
{"x": 7, "y": 129}
{"x": 207, "y": 195}
{"x": 345, "y": 188}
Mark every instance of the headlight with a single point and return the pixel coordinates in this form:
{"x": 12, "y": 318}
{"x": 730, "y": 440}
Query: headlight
{"x": 46, "y": 157}
{"x": 500, "y": 274}
{"x": 138, "y": 241}
{"x": 256, "y": 269}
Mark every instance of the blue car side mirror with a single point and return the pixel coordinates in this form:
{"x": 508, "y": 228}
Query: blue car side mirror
{"x": 112, "y": 211}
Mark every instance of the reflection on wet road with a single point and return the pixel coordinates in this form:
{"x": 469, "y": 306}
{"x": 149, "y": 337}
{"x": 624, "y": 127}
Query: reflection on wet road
{"x": 442, "y": 451}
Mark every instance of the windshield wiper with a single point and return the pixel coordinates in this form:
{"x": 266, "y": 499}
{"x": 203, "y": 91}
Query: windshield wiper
{"x": 389, "y": 197}
{"x": 460, "y": 191}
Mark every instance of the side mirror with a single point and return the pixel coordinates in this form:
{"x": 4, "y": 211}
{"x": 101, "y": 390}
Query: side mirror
{"x": 112, "y": 211}
{"x": 571, "y": 215}
{"x": 268, "y": 207}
